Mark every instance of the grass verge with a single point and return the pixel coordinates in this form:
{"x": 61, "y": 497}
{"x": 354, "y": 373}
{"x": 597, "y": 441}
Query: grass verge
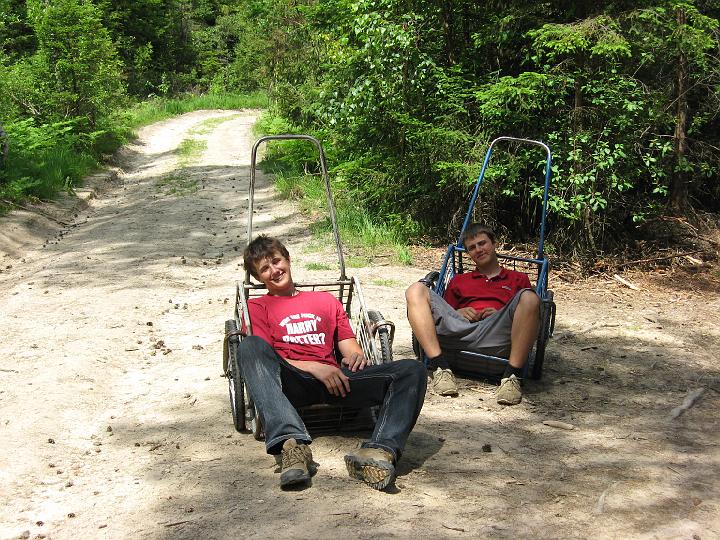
{"x": 358, "y": 230}
{"x": 154, "y": 110}
{"x": 295, "y": 166}
{"x": 46, "y": 159}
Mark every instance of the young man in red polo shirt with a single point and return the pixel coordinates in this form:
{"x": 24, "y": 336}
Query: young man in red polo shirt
{"x": 290, "y": 361}
{"x": 491, "y": 310}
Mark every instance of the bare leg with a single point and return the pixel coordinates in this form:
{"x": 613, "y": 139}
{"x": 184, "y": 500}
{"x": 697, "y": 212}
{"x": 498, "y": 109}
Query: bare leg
{"x": 421, "y": 320}
{"x": 526, "y": 322}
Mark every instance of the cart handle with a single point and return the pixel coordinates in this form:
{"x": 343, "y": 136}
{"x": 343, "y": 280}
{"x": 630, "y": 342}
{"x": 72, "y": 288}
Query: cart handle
{"x": 328, "y": 192}
{"x": 548, "y": 161}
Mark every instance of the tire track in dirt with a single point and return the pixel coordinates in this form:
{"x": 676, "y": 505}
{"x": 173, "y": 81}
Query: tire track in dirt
{"x": 113, "y": 331}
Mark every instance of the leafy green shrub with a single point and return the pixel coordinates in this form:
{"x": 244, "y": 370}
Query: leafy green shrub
{"x": 43, "y": 160}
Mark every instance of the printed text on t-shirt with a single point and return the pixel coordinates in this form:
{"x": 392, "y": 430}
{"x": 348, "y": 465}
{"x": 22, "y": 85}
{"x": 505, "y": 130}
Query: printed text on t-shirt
{"x": 302, "y": 328}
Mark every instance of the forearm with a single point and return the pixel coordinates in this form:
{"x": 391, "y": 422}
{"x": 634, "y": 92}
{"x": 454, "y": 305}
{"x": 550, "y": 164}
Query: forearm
{"x": 332, "y": 377}
{"x": 347, "y": 347}
{"x": 303, "y": 365}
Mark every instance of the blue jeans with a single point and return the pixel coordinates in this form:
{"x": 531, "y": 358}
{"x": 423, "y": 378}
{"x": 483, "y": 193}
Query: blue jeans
{"x": 277, "y": 388}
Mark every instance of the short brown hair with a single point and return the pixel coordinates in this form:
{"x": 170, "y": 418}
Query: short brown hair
{"x": 473, "y": 229}
{"x": 261, "y": 247}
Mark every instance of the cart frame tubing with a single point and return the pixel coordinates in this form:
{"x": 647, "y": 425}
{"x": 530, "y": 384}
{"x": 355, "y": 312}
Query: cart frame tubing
{"x": 540, "y": 260}
{"x": 328, "y": 192}
{"x": 548, "y": 163}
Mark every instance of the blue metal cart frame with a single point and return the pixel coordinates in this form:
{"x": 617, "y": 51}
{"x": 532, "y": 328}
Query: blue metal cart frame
{"x": 474, "y": 363}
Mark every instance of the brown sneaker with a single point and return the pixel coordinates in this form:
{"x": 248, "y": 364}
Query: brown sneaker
{"x": 509, "y": 392}
{"x": 297, "y": 465}
{"x": 443, "y": 383}
{"x": 373, "y": 466}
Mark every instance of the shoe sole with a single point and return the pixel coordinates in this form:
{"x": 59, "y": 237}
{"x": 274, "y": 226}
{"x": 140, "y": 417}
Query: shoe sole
{"x": 293, "y": 478}
{"x": 445, "y": 392}
{"x": 376, "y": 474}
{"x": 298, "y": 476}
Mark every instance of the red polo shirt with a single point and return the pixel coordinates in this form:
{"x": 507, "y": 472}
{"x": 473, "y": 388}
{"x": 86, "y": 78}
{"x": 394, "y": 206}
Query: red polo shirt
{"x": 477, "y": 290}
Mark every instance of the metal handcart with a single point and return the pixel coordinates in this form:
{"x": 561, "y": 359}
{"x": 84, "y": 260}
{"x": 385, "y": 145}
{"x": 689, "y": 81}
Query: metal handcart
{"x": 374, "y": 334}
{"x": 538, "y": 268}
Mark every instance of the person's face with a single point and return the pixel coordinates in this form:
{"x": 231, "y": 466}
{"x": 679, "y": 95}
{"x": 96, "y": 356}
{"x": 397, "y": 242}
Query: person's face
{"x": 481, "y": 249}
{"x": 274, "y": 272}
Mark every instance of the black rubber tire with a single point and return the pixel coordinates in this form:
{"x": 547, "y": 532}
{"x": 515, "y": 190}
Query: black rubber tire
{"x": 419, "y": 354}
{"x": 382, "y": 337}
{"x": 236, "y": 386}
{"x": 546, "y": 314}
{"x": 252, "y": 419}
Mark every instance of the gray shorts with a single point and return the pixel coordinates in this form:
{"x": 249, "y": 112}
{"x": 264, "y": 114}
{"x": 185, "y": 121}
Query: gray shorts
{"x": 489, "y": 336}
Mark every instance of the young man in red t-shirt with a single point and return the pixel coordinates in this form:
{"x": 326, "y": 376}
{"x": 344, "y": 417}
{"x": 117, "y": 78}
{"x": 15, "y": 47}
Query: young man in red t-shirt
{"x": 491, "y": 310}
{"x": 290, "y": 361}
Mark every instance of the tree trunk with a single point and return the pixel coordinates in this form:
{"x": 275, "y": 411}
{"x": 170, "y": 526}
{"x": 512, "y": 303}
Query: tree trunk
{"x": 578, "y": 104}
{"x": 678, "y": 200}
{"x": 447, "y": 21}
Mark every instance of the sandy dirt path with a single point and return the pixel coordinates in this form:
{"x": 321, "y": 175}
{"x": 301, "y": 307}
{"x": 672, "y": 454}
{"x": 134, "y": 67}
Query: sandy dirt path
{"x": 114, "y": 414}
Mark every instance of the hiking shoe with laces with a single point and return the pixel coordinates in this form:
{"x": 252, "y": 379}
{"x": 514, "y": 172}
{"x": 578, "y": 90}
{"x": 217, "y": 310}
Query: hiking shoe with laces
{"x": 509, "y": 391}
{"x": 373, "y": 466}
{"x": 443, "y": 383}
{"x": 296, "y": 462}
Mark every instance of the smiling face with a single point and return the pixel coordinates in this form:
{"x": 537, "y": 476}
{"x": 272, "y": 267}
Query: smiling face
{"x": 481, "y": 250}
{"x": 274, "y": 272}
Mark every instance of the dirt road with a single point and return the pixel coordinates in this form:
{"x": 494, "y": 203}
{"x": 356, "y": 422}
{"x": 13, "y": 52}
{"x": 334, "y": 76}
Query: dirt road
{"x": 114, "y": 415}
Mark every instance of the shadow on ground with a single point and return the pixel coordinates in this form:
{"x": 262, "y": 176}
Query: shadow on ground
{"x": 626, "y": 467}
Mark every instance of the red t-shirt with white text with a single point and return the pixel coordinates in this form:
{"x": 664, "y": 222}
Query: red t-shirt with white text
{"x": 478, "y": 291}
{"x": 301, "y": 327}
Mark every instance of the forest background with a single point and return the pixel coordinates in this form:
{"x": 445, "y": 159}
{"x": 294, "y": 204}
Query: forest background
{"x": 406, "y": 95}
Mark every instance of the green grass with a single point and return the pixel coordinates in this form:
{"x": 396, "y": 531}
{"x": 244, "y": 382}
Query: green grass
{"x": 158, "y": 109}
{"x": 270, "y": 124}
{"x": 47, "y": 159}
{"x": 208, "y": 125}
{"x": 403, "y": 255}
{"x": 190, "y": 150}
{"x": 354, "y": 261}
{"x": 43, "y": 173}
{"x": 178, "y": 185}
{"x": 357, "y": 229}
{"x": 318, "y": 266}
{"x": 386, "y": 283}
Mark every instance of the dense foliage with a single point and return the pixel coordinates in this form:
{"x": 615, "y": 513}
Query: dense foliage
{"x": 407, "y": 95}
{"x": 71, "y": 70}
{"x": 626, "y": 95}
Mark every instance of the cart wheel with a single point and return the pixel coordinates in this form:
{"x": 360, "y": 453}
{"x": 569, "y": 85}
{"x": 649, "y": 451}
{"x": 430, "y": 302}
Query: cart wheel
{"x": 252, "y": 420}
{"x": 417, "y": 349}
{"x": 382, "y": 336}
{"x": 547, "y": 309}
{"x": 235, "y": 383}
